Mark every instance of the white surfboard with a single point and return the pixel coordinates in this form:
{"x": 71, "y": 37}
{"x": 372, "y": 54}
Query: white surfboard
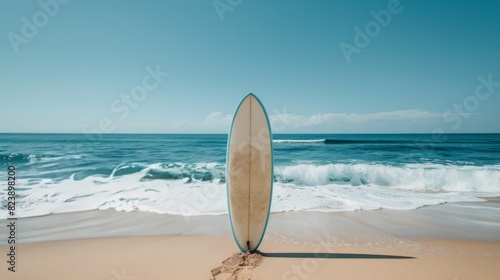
{"x": 249, "y": 173}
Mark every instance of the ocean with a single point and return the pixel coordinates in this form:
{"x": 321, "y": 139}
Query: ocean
{"x": 185, "y": 174}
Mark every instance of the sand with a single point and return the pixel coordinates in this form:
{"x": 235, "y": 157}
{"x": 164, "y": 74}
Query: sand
{"x": 460, "y": 241}
{"x": 196, "y": 257}
{"x": 238, "y": 266}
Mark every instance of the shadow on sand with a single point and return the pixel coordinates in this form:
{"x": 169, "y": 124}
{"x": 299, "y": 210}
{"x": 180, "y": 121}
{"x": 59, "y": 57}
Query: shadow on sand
{"x": 331, "y": 256}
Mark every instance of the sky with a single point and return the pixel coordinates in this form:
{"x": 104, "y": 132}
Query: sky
{"x": 183, "y": 66}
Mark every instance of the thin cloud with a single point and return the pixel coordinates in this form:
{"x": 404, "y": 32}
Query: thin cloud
{"x": 320, "y": 119}
{"x": 217, "y": 119}
{"x": 355, "y": 118}
{"x": 213, "y": 122}
{"x": 219, "y": 122}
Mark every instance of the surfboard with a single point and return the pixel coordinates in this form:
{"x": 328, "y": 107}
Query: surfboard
{"x": 249, "y": 173}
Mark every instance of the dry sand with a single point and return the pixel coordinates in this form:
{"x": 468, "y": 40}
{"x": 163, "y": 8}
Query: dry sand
{"x": 460, "y": 241}
{"x": 197, "y": 257}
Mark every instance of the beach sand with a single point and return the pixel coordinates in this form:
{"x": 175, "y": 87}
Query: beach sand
{"x": 456, "y": 241}
{"x": 194, "y": 257}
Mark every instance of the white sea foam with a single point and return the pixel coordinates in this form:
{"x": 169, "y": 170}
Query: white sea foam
{"x": 414, "y": 177}
{"x": 179, "y": 189}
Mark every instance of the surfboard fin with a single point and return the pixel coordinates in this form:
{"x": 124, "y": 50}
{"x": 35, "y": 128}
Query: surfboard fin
{"x": 248, "y": 245}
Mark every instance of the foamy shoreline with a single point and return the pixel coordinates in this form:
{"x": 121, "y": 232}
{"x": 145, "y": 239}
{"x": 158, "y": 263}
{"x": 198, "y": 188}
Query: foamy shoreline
{"x": 200, "y": 189}
{"x": 447, "y": 221}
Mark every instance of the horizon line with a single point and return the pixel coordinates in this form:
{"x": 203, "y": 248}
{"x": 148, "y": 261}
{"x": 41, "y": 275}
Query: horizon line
{"x": 219, "y": 133}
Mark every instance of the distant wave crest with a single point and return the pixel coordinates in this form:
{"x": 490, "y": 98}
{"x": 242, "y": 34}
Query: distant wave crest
{"x": 298, "y": 141}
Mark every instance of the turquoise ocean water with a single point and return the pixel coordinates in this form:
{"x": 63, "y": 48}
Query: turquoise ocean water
{"x": 185, "y": 174}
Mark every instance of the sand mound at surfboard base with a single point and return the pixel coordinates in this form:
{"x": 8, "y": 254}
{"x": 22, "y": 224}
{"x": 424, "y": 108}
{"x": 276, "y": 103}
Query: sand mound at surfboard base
{"x": 238, "y": 266}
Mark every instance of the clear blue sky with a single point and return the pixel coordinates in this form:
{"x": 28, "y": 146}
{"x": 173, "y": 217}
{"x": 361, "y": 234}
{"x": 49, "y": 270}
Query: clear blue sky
{"x": 70, "y": 74}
